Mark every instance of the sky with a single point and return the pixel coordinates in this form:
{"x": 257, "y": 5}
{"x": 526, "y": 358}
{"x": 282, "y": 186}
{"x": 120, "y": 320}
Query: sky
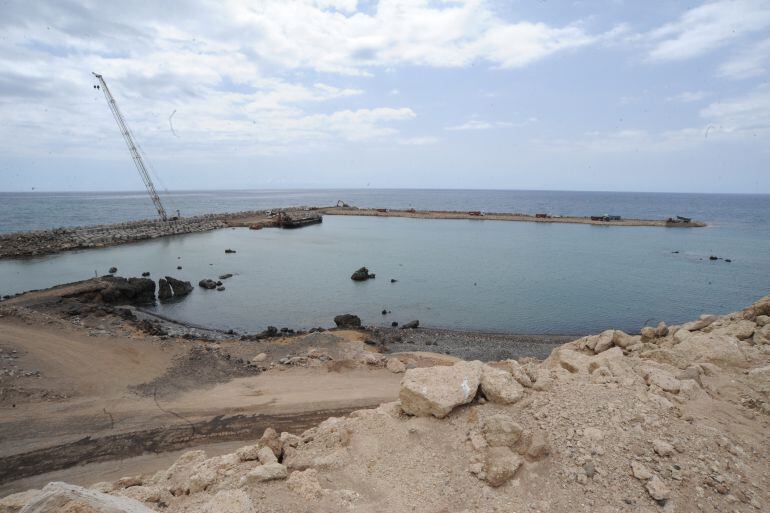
{"x": 537, "y": 94}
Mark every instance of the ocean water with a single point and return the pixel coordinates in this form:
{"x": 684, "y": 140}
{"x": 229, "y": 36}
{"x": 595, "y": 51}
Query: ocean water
{"x": 463, "y": 274}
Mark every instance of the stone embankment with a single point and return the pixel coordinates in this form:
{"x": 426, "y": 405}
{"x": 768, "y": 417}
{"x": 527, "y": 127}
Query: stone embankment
{"x": 45, "y": 242}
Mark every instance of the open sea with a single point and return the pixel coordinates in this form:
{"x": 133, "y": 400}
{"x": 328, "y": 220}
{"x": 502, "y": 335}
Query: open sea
{"x": 463, "y": 274}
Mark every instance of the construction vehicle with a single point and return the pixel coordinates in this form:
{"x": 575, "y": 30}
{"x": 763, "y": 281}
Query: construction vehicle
{"x": 133, "y": 148}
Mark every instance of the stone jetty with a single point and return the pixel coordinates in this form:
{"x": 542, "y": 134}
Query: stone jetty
{"x": 45, "y": 242}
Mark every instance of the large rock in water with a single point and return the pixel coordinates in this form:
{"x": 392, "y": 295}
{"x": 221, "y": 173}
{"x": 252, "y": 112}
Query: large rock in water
{"x": 57, "y": 497}
{"x": 438, "y": 390}
{"x": 347, "y": 321}
{"x": 362, "y": 274}
{"x": 179, "y": 287}
{"x": 164, "y": 290}
{"x": 207, "y": 283}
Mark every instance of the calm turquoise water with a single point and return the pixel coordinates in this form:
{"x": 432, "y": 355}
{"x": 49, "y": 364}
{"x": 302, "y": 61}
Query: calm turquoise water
{"x": 482, "y": 275}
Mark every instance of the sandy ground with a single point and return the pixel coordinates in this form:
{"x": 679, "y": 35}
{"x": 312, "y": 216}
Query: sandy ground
{"x": 432, "y": 214}
{"x": 68, "y": 385}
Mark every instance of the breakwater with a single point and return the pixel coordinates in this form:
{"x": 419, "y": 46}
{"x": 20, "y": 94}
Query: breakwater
{"x": 505, "y": 216}
{"x": 44, "y": 242}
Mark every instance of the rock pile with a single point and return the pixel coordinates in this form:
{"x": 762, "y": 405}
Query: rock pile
{"x": 362, "y": 274}
{"x": 674, "y": 419}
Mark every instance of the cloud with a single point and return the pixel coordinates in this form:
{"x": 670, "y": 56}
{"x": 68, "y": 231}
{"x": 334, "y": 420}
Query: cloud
{"x": 476, "y": 124}
{"x": 419, "y": 141}
{"x": 750, "y": 62}
{"x": 689, "y": 96}
{"x": 748, "y": 114}
{"x": 397, "y": 32}
{"x": 708, "y": 27}
{"x": 263, "y": 77}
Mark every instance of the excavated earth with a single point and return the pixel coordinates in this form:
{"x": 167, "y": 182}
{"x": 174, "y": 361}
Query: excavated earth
{"x": 673, "y": 419}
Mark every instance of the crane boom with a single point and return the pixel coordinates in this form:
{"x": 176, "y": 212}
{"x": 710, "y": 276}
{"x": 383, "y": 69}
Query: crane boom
{"x": 132, "y": 147}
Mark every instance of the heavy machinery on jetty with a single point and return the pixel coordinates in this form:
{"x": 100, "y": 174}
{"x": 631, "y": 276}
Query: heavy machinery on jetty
{"x": 133, "y": 148}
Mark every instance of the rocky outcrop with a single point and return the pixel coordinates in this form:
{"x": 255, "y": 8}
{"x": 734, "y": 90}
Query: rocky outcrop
{"x": 179, "y": 287}
{"x": 164, "y": 290}
{"x": 347, "y": 321}
{"x": 115, "y": 290}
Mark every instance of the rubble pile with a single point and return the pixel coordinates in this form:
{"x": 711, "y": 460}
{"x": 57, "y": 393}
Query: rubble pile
{"x": 673, "y": 419}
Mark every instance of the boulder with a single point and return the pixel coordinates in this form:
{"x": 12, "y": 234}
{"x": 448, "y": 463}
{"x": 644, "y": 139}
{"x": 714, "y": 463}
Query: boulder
{"x": 762, "y": 320}
{"x": 438, "y": 390}
{"x": 164, "y": 290}
{"x": 361, "y": 274}
{"x": 661, "y": 330}
{"x": 207, "y": 283}
{"x": 501, "y": 465}
{"x": 395, "y": 365}
{"x": 305, "y": 484}
{"x": 622, "y": 339}
{"x": 658, "y": 489}
{"x": 604, "y": 341}
{"x": 410, "y": 325}
{"x": 500, "y": 386}
{"x": 662, "y": 448}
{"x": 268, "y": 472}
{"x": 229, "y": 251}
{"x": 57, "y": 497}
{"x": 179, "y": 287}
{"x": 225, "y": 276}
{"x": 648, "y": 333}
{"x": 661, "y": 379}
{"x": 501, "y": 431}
{"x": 759, "y": 379}
{"x": 760, "y": 307}
{"x": 639, "y": 471}
{"x": 347, "y": 321}
{"x": 266, "y": 455}
{"x": 703, "y": 322}
{"x": 229, "y": 501}
{"x": 271, "y": 438}
{"x": 711, "y": 348}
{"x": 113, "y": 270}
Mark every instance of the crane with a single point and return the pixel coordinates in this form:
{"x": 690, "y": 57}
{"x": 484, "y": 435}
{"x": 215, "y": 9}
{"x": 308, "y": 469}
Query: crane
{"x": 132, "y": 147}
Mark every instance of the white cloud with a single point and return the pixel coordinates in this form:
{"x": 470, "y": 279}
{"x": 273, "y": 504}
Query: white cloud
{"x": 476, "y": 124}
{"x": 397, "y": 32}
{"x": 689, "y": 96}
{"x": 707, "y": 27}
{"x": 748, "y": 114}
{"x": 750, "y": 62}
{"x": 419, "y": 141}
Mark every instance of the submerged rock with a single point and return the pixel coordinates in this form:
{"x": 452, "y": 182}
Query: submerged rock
{"x": 411, "y": 325}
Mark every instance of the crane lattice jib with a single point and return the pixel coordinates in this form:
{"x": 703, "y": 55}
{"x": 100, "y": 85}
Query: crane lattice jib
{"x": 132, "y": 147}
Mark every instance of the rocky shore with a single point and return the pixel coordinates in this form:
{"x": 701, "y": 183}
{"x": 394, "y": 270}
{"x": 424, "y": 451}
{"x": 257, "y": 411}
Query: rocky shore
{"x": 674, "y": 418}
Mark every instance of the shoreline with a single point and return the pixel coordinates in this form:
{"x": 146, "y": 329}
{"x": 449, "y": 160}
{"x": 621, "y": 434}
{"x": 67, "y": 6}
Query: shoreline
{"x": 18, "y": 245}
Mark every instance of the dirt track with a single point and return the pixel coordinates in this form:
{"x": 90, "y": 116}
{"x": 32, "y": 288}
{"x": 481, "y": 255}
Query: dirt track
{"x": 82, "y": 406}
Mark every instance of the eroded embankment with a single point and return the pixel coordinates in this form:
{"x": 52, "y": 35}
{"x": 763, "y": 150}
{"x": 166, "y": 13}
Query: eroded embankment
{"x": 161, "y": 439}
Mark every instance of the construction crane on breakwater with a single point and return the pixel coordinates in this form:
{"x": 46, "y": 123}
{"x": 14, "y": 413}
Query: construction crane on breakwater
{"x": 136, "y": 154}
